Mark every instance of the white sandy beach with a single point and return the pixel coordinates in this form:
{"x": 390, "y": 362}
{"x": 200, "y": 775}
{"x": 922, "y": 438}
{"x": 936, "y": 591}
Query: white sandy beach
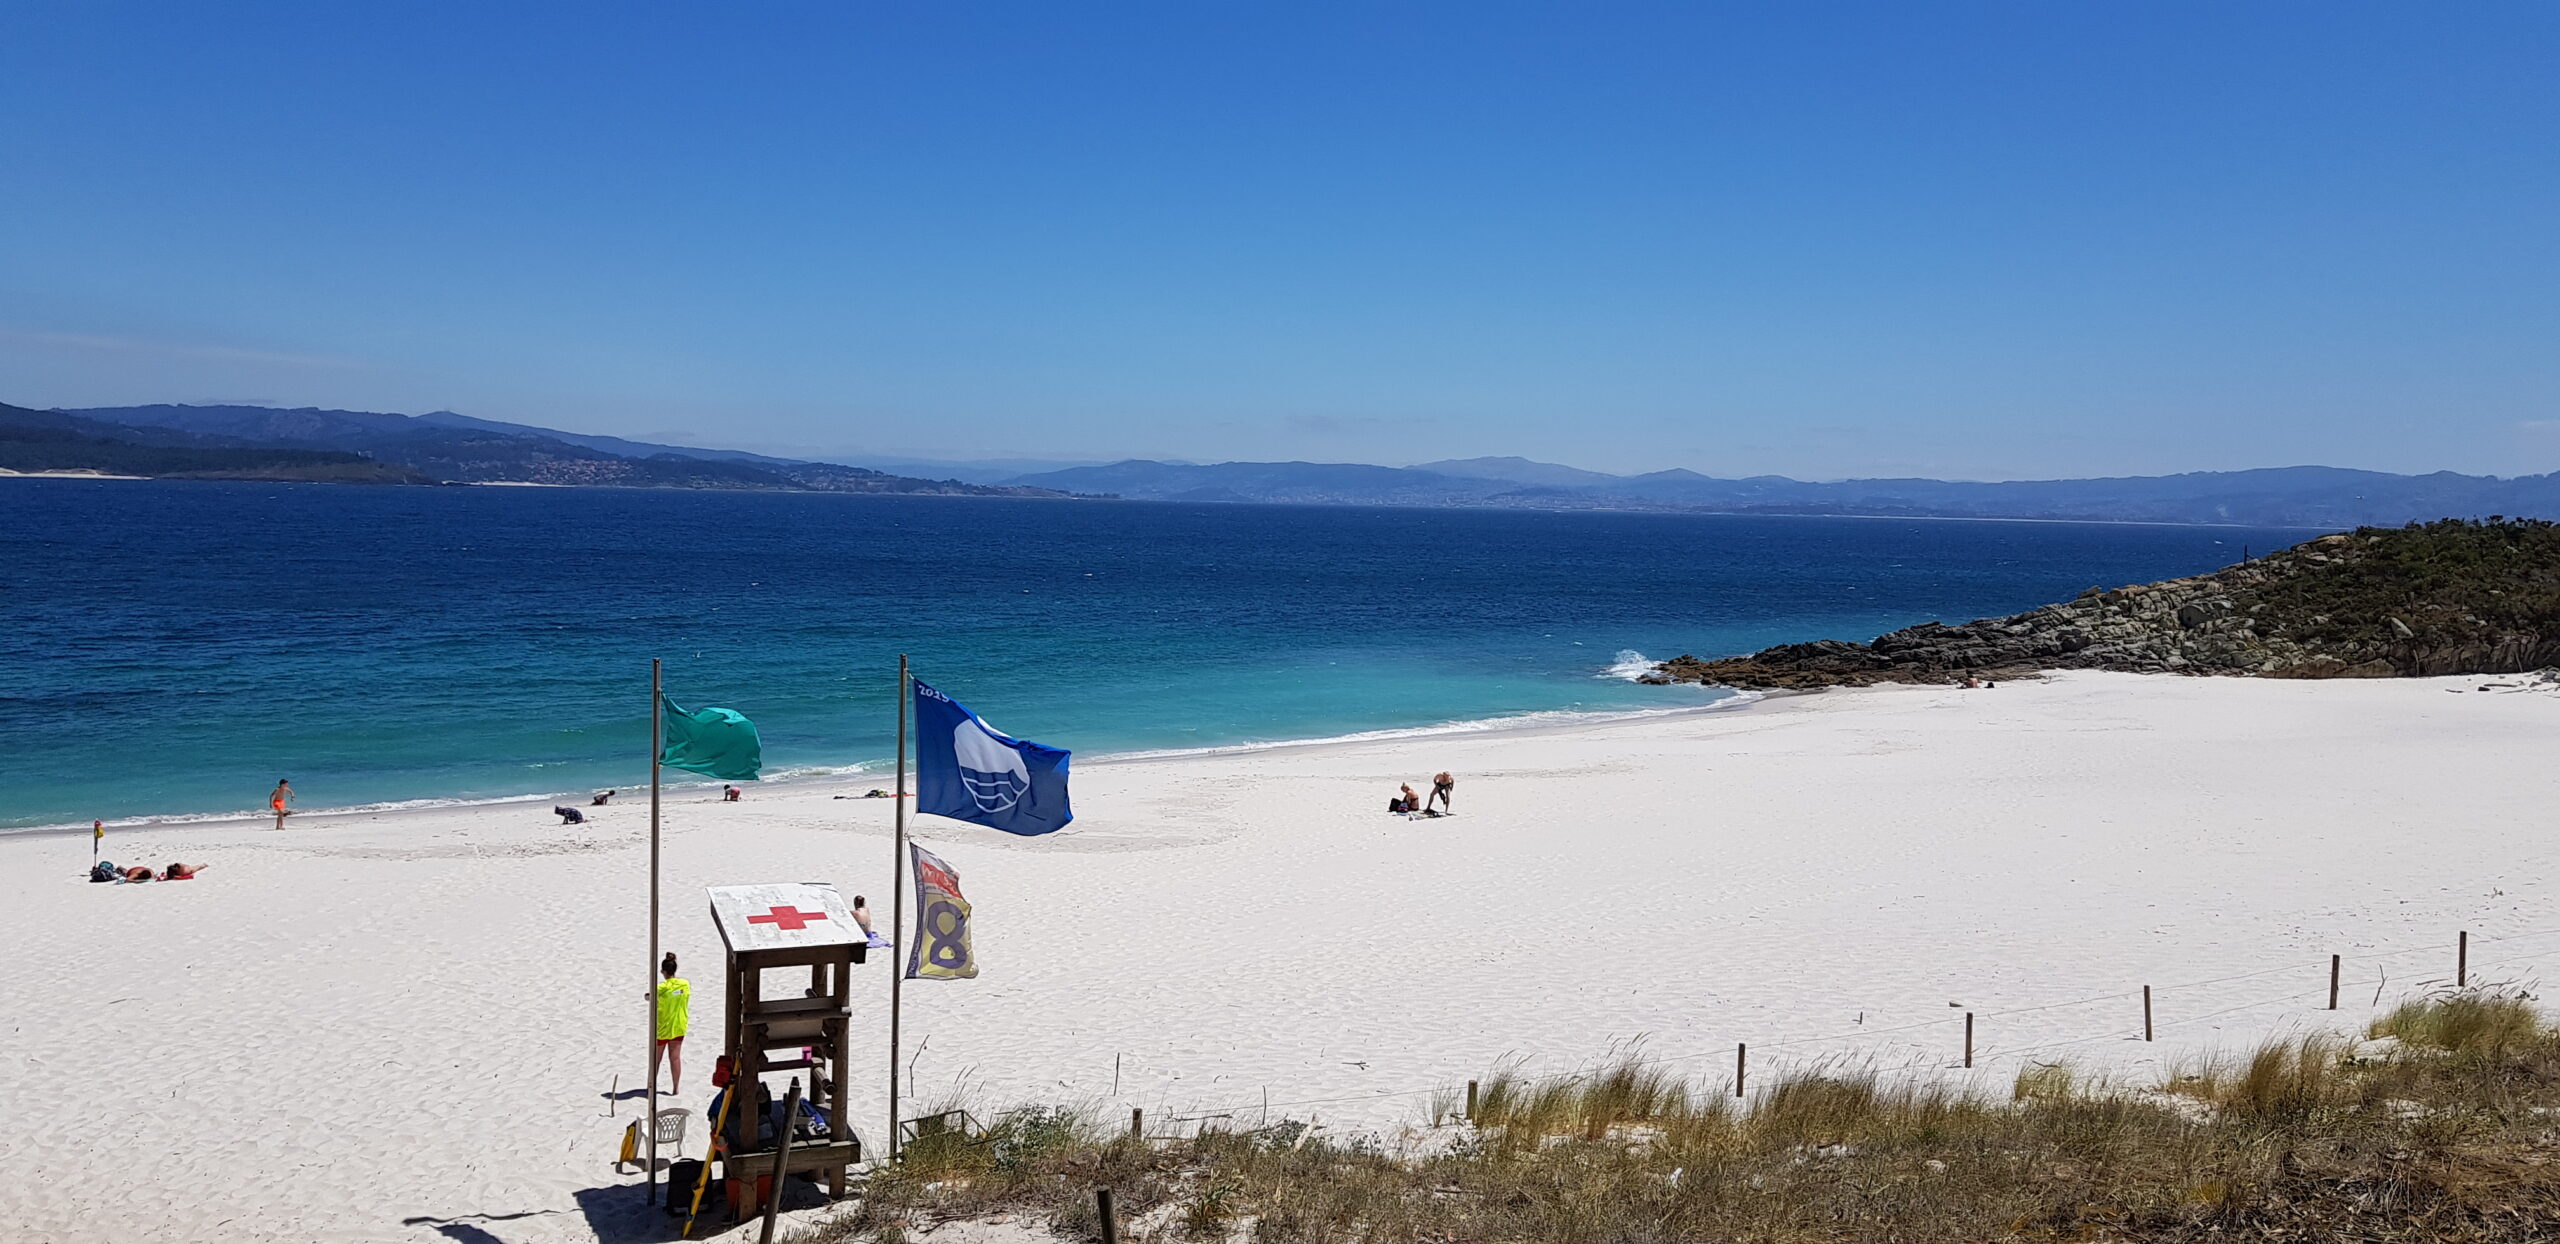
{"x": 403, "y": 1025}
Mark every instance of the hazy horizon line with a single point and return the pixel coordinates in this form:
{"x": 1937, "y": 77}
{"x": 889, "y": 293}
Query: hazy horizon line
{"x": 1073, "y": 461}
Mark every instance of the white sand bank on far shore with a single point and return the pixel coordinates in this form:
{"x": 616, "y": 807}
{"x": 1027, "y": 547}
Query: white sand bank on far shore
{"x": 401, "y": 1025}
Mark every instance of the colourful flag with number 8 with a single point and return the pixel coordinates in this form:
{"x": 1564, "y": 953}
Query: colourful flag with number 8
{"x": 940, "y": 950}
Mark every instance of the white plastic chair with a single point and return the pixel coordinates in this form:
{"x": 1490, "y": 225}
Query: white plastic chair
{"x": 671, "y": 1132}
{"x": 670, "y": 1138}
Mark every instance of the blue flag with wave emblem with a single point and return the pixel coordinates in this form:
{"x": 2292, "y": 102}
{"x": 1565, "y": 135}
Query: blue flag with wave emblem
{"x": 970, "y": 771}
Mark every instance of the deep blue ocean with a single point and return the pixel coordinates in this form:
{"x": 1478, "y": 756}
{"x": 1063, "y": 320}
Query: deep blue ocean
{"x": 174, "y": 648}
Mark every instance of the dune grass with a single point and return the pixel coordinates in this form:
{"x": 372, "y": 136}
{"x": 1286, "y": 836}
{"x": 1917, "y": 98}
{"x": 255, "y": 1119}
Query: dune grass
{"x": 2462, "y": 1023}
{"x": 2451, "y": 1133}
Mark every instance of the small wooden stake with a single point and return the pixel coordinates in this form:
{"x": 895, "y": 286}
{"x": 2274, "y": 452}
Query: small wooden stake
{"x": 2333, "y": 982}
{"x": 1741, "y": 1058}
{"x": 1968, "y": 1038}
{"x": 1102, "y": 1206}
{"x": 1471, "y": 1101}
{"x": 1137, "y": 1122}
{"x": 2146, "y": 1012}
{"x": 2462, "y": 960}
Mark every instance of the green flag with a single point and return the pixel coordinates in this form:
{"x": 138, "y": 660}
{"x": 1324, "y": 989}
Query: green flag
{"x": 714, "y": 742}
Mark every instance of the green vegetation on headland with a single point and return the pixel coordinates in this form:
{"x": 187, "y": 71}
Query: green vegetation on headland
{"x": 2439, "y": 1130}
{"x": 2447, "y": 597}
{"x": 257, "y": 442}
{"x": 42, "y": 441}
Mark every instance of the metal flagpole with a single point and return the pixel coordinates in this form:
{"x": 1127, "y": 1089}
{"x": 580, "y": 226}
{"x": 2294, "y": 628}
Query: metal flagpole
{"x": 657, "y": 744}
{"x": 898, "y": 901}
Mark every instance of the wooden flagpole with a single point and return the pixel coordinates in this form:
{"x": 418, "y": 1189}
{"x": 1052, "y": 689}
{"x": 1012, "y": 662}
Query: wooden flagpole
{"x": 657, "y": 745}
{"x": 898, "y": 909}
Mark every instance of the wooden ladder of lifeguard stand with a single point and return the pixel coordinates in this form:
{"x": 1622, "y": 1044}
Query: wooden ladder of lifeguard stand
{"x": 785, "y": 927}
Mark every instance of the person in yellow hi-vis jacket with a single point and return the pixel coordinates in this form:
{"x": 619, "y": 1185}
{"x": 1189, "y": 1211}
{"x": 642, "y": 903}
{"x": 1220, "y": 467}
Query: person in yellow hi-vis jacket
{"x": 675, "y": 1012}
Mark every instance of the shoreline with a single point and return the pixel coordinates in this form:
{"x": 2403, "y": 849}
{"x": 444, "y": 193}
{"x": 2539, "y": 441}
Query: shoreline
{"x": 1528, "y": 723}
{"x": 1836, "y": 880}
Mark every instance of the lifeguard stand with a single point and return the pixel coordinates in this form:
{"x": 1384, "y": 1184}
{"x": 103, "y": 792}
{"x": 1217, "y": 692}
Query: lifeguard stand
{"x": 766, "y": 927}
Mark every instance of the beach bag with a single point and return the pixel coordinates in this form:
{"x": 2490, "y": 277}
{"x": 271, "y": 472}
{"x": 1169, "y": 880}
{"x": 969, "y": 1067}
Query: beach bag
{"x": 104, "y": 870}
{"x": 682, "y": 1178}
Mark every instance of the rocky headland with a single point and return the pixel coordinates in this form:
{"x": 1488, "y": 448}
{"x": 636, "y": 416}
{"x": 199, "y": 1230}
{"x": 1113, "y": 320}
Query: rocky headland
{"x": 2449, "y": 597}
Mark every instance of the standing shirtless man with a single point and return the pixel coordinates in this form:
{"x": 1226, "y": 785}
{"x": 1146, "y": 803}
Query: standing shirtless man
{"x": 280, "y": 798}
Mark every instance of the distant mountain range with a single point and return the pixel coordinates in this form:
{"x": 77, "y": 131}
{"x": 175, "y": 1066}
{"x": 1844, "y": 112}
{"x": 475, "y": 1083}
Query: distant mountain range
{"x": 2307, "y": 496}
{"x": 439, "y": 447}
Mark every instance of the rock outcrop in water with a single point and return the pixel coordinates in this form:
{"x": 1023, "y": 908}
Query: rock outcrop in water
{"x": 2450, "y": 597}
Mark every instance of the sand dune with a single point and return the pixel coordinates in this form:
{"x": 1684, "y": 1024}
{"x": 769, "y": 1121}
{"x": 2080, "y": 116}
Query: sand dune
{"x": 404, "y": 1025}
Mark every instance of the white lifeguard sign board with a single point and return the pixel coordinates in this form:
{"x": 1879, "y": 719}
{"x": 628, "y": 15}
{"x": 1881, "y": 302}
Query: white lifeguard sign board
{"x": 783, "y": 916}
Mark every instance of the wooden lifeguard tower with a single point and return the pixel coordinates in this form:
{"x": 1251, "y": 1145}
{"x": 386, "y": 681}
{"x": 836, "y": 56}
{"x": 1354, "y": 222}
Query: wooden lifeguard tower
{"x": 768, "y": 927}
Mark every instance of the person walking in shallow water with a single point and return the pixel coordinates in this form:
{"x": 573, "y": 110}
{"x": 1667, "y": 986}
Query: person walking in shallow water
{"x": 280, "y": 799}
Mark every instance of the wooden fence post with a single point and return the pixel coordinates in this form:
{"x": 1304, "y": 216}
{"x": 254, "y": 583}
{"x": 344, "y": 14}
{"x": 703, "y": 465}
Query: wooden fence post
{"x": 781, "y": 1160}
{"x": 2333, "y": 982}
{"x": 1102, "y": 1206}
{"x": 1741, "y": 1062}
{"x": 1137, "y": 1123}
{"x": 1471, "y": 1101}
{"x": 2146, "y": 1012}
{"x": 1968, "y": 1038}
{"x": 2462, "y": 960}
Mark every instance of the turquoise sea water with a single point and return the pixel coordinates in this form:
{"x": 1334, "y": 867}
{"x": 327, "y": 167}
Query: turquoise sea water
{"x": 177, "y": 647}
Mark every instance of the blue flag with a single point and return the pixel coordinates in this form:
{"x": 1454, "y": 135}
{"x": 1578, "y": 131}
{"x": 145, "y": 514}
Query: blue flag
{"x": 969, "y": 771}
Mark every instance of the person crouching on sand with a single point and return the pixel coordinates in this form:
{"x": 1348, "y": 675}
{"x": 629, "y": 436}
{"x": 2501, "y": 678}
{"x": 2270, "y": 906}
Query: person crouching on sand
{"x": 675, "y": 1014}
{"x": 279, "y": 799}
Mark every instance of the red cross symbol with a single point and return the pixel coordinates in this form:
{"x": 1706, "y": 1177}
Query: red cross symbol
{"x": 786, "y": 918}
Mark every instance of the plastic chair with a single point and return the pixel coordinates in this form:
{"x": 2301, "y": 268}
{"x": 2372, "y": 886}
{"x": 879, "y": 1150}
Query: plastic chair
{"x": 671, "y": 1132}
{"x": 670, "y": 1139}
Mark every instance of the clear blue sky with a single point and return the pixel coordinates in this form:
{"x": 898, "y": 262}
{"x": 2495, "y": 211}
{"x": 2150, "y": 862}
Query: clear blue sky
{"x": 1959, "y": 239}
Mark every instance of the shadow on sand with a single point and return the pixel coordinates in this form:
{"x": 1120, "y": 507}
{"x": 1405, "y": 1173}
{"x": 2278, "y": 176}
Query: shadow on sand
{"x": 617, "y": 1214}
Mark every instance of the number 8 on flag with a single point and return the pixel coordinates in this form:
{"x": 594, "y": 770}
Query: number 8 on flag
{"x": 940, "y": 950}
